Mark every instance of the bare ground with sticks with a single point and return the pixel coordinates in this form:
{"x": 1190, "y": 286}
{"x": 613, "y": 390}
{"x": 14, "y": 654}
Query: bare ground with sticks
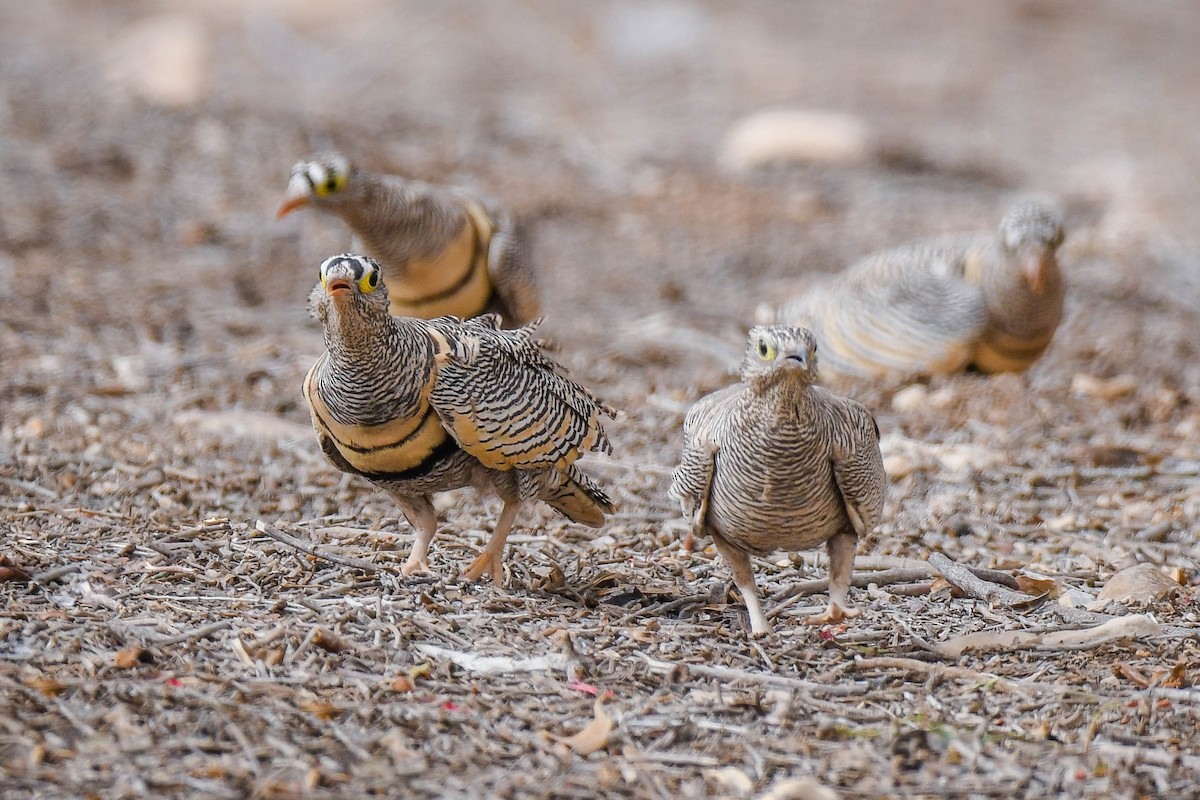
{"x": 195, "y": 604}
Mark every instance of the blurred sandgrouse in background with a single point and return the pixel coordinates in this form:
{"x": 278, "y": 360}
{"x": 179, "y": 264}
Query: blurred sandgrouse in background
{"x": 988, "y": 301}
{"x": 776, "y": 463}
{"x": 420, "y": 406}
{"x": 442, "y": 251}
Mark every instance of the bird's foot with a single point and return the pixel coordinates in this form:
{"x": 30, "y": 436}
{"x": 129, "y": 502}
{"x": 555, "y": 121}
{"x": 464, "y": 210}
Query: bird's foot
{"x": 485, "y": 563}
{"x": 760, "y": 626}
{"x": 414, "y": 565}
{"x": 834, "y": 613}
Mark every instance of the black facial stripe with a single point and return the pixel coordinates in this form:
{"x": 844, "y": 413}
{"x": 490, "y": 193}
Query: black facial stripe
{"x": 356, "y": 265}
{"x": 308, "y": 177}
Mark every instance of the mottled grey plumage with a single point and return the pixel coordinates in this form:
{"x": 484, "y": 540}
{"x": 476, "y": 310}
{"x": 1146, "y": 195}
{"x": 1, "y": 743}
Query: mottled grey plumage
{"x": 443, "y": 252}
{"x": 776, "y": 463}
{"x": 420, "y": 406}
{"x": 992, "y": 301}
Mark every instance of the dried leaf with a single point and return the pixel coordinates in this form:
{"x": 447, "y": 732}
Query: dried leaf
{"x": 320, "y": 708}
{"x": 1038, "y": 586}
{"x": 594, "y": 735}
{"x": 239, "y": 649}
{"x": 12, "y": 574}
{"x": 403, "y": 683}
{"x": 731, "y": 780}
{"x": 1111, "y": 457}
{"x": 940, "y": 585}
{"x": 133, "y": 657}
{"x": 330, "y": 642}
{"x": 9, "y": 571}
{"x": 1123, "y": 670}
{"x": 1178, "y": 678}
{"x": 1143, "y": 583}
{"x": 47, "y": 686}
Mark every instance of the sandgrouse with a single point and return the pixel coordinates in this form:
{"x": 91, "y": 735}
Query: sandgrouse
{"x": 420, "y": 406}
{"x": 776, "y": 463}
{"x": 443, "y": 252}
{"x": 988, "y": 301}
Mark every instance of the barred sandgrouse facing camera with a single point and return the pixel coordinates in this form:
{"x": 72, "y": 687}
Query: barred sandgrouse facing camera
{"x": 988, "y": 301}
{"x": 421, "y": 406}
{"x": 776, "y": 463}
{"x": 443, "y": 252}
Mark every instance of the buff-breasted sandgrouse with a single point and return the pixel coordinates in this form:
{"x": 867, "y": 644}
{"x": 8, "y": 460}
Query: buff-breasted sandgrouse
{"x": 988, "y": 301}
{"x": 443, "y": 252}
{"x": 776, "y": 463}
{"x": 420, "y": 406}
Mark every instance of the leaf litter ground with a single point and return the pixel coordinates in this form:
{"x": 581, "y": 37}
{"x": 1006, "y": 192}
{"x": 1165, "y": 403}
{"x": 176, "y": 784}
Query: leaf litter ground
{"x": 196, "y": 604}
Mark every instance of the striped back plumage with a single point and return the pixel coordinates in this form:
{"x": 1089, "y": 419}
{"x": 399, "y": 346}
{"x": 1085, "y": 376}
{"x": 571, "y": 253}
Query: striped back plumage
{"x": 993, "y": 300}
{"x": 511, "y": 405}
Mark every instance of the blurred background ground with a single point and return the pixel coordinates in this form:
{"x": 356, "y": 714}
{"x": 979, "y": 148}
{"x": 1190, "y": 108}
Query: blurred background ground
{"x": 154, "y": 335}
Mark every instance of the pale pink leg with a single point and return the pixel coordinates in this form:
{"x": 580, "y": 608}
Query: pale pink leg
{"x": 421, "y": 516}
{"x": 492, "y": 558}
{"x": 841, "y": 568}
{"x": 743, "y": 579}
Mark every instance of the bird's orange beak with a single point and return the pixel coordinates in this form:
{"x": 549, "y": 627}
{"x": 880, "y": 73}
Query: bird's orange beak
{"x": 299, "y": 193}
{"x": 339, "y": 287}
{"x": 291, "y": 204}
{"x": 1033, "y": 270}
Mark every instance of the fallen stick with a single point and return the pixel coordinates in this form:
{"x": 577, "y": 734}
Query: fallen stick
{"x": 930, "y": 668}
{"x": 770, "y": 679}
{"x": 890, "y": 571}
{"x": 974, "y": 586}
{"x": 1135, "y": 626}
{"x": 189, "y": 636}
{"x": 52, "y": 575}
{"x": 881, "y": 578}
{"x": 291, "y": 541}
{"x": 893, "y": 562}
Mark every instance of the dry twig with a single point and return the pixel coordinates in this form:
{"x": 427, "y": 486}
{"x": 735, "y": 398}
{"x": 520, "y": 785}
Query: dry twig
{"x": 291, "y": 541}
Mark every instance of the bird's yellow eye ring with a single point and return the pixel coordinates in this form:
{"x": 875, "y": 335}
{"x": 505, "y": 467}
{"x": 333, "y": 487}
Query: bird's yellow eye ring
{"x": 334, "y": 182}
{"x": 369, "y": 282}
{"x": 766, "y": 350}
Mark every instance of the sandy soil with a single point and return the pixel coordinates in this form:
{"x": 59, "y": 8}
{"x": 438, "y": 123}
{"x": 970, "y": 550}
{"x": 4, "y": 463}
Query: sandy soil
{"x": 154, "y": 642}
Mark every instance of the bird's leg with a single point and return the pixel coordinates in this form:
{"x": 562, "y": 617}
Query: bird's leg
{"x": 841, "y": 567}
{"x": 424, "y": 521}
{"x": 743, "y": 579}
{"x": 492, "y": 558}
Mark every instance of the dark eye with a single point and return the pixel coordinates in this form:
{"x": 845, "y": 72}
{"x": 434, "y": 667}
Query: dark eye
{"x": 762, "y": 348}
{"x": 373, "y": 278}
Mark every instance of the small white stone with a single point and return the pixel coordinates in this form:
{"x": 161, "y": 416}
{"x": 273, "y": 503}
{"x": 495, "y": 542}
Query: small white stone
{"x": 794, "y": 135}
{"x": 910, "y": 399}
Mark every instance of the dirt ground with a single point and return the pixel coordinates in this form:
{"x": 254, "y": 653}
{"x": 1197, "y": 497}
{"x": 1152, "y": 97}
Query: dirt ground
{"x": 155, "y": 642}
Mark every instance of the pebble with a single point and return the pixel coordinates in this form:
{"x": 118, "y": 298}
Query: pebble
{"x": 789, "y": 135}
